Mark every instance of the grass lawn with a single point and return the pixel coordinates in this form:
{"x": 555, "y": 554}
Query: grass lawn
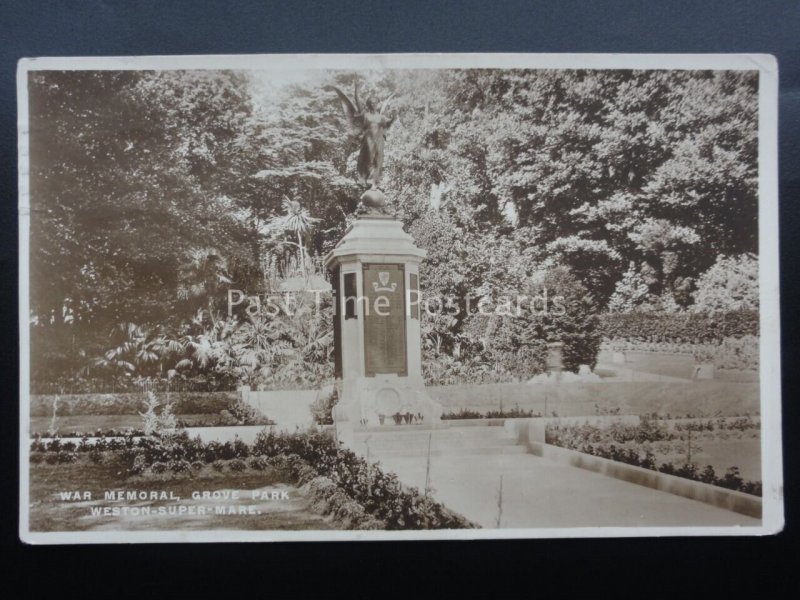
{"x": 49, "y": 512}
{"x": 723, "y": 454}
{"x": 741, "y": 449}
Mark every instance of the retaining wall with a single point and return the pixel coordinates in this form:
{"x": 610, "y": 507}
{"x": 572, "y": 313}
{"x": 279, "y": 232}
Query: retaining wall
{"x": 576, "y": 399}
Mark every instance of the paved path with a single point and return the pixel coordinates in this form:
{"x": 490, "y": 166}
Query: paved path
{"x": 540, "y": 493}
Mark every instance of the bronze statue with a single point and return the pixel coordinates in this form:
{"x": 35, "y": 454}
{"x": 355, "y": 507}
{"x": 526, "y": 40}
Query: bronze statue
{"x": 370, "y": 125}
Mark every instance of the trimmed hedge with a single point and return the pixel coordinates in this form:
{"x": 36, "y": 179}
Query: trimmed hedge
{"x": 183, "y": 403}
{"x": 678, "y": 327}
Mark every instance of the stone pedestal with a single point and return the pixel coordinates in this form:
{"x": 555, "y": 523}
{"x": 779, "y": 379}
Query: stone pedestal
{"x": 377, "y": 340}
{"x": 555, "y": 357}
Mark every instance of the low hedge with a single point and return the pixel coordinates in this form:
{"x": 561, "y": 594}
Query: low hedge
{"x": 183, "y": 403}
{"x": 679, "y": 327}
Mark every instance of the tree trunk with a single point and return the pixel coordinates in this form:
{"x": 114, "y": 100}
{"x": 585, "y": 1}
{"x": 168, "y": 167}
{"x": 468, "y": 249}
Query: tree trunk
{"x": 302, "y": 256}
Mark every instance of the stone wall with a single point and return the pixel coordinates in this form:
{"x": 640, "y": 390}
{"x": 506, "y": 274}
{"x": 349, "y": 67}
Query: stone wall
{"x": 578, "y": 399}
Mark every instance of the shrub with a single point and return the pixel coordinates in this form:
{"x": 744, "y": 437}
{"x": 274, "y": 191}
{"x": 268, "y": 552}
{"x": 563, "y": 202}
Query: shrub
{"x": 258, "y": 463}
{"x": 159, "y": 467}
{"x": 197, "y": 465}
{"x": 218, "y": 465}
{"x": 66, "y": 457}
{"x": 239, "y": 412}
{"x": 180, "y": 466}
{"x": 138, "y": 465}
{"x": 239, "y": 448}
{"x": 237, "y": 465}
{"x": 37, "y": 458}
{"x": 322, "y": 407}
{"x": 154, "y": 422}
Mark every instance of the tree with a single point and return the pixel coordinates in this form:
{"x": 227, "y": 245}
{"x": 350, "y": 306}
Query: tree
{"x": 122, "y": 195}
{"x": 152, "y": 191}
{"x": 630, "y": 292}
{"x": 297, "y": 220}
{"x": 730, "y": 284}
{"x": 564, "y": 312}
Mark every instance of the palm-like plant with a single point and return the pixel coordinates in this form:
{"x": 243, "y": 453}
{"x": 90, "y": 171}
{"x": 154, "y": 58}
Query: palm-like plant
{"x": 298, "y": 220}
{"x": 126, "y": 340}
{"x": 135, "y": 348}
{"x": 260, "y": 348}
{"x": 211, "y": 348}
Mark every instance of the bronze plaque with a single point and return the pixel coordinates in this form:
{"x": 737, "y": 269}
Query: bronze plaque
{"x": 385, "y": 319}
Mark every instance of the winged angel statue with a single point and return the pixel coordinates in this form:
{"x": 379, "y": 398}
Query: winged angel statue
{"x": 370, "y": 125}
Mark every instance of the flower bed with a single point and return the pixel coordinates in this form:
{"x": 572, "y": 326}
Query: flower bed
{"x": 649, "y": 443}
{"x": 342, "y": 483}
{"x": 514, "y": 413}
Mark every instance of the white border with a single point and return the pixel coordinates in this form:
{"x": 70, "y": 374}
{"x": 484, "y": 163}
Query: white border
{"x": 771, "y": 459}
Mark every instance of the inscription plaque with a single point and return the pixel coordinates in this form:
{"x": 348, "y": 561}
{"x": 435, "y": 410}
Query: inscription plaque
{"x": 385, "y": 319}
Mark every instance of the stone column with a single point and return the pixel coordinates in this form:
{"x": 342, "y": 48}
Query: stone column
{"x": 555, "y": 357}
{"x": 378, "y": 353}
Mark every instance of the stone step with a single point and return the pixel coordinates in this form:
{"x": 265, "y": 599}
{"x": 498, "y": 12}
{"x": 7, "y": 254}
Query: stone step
{"x": 439, "y": 426}
{"x": 463, "y": 451}
{"x": 404, "y": 442}
{"x": 399, "y": 445}
{"x": 452, "y": 433}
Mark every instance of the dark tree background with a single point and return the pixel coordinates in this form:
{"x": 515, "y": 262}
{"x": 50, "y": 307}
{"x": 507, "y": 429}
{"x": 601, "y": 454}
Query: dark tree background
{"x": 153, "y": 192}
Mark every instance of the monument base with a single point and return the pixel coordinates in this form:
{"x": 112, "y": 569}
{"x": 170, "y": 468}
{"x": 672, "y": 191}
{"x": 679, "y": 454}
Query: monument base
{"x": 385, "y": 400}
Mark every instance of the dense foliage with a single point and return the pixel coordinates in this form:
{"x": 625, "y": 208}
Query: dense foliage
{"x": 731, "y": 283}
{"x": 679, "y": 327}
{"x": 153, "y": 193}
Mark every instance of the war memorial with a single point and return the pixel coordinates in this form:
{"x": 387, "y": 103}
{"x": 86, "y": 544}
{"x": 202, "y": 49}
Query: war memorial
{"x": 617, "y": 391}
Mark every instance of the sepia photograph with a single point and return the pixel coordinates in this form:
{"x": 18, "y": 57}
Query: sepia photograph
{"x": 365, "y": 297}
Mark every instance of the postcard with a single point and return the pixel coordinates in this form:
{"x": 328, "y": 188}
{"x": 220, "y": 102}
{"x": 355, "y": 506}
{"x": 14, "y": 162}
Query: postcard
{"x": 408, "y": 296}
